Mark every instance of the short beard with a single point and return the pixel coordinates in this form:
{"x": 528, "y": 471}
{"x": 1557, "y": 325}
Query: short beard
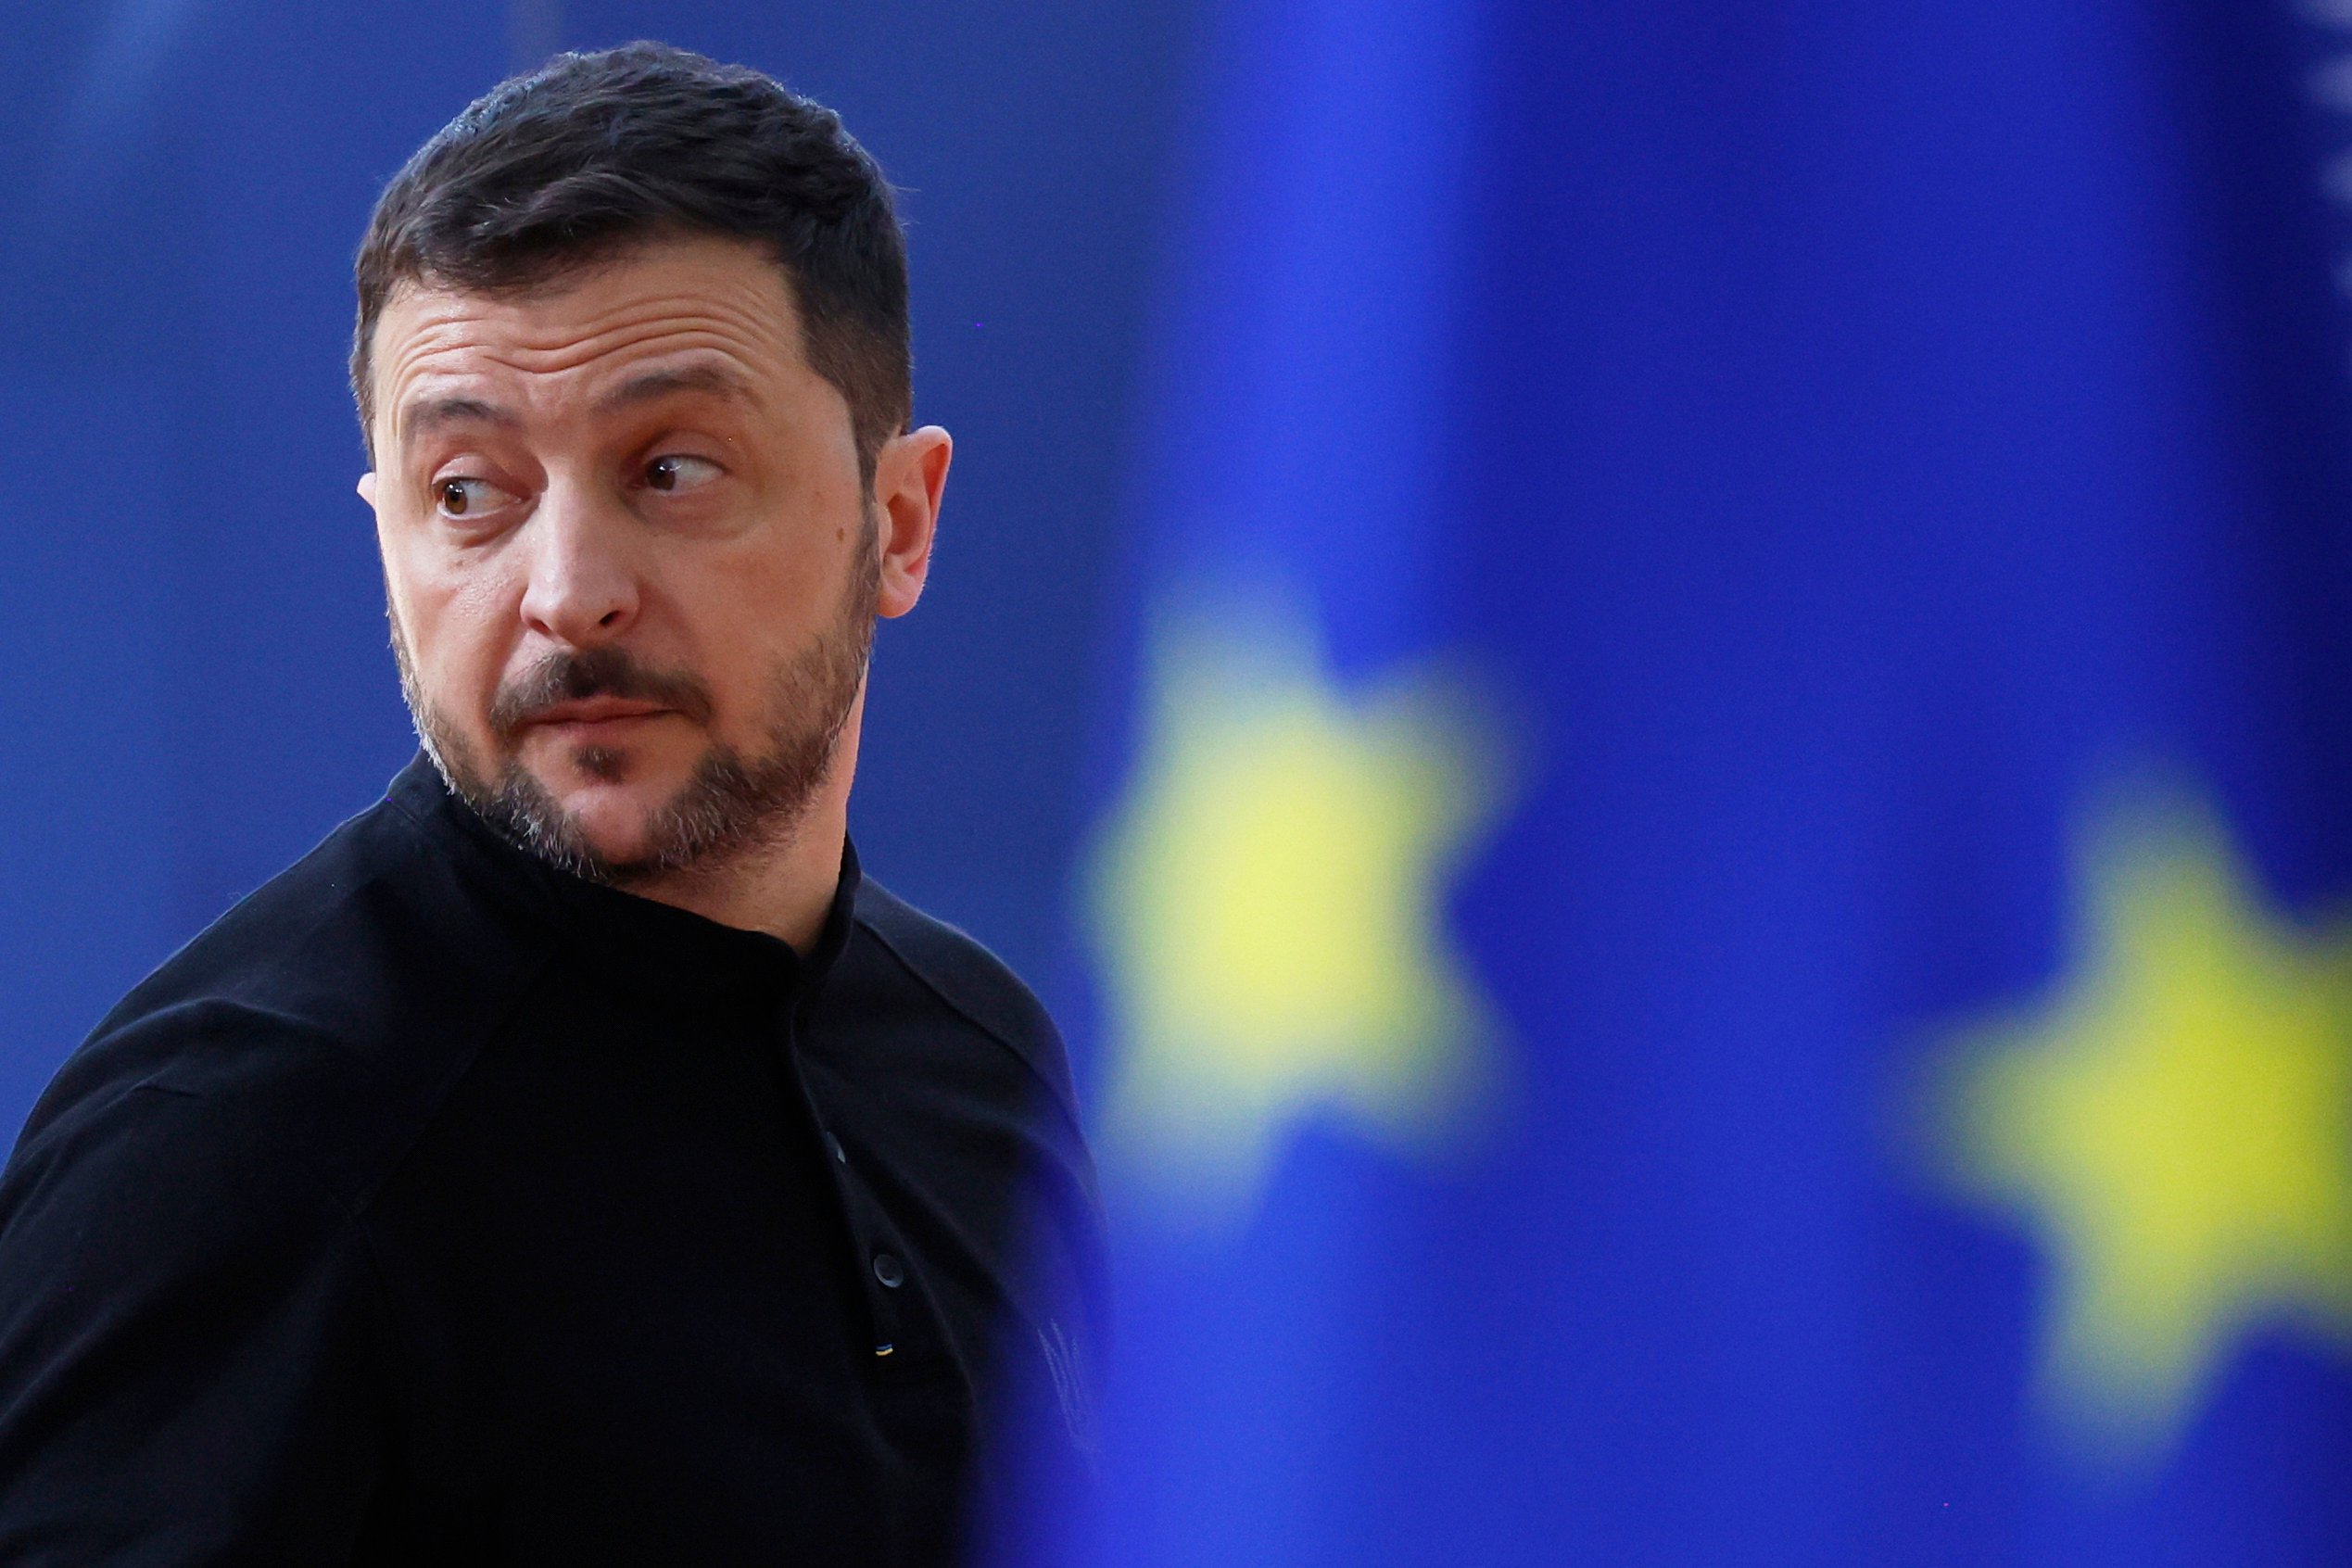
{"x": 731, "y": 804}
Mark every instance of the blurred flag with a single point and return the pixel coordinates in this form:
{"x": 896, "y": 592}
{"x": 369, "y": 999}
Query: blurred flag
{"x": 1725, "y": 915}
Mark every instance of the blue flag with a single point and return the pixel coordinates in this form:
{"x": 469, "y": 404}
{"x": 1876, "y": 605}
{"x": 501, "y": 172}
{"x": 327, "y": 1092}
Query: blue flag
{"x": 1725, "y": 912}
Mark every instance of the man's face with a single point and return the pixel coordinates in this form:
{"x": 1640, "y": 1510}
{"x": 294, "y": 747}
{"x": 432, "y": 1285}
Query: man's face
{"x": 631, "y": 567}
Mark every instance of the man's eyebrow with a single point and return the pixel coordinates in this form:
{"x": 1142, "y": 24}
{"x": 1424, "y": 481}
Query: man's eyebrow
{"x": 428, "y": 414}
{"x": 644, "y": 388}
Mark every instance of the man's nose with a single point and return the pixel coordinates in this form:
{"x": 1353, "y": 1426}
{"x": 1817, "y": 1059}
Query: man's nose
{"x": 583, "y": 587}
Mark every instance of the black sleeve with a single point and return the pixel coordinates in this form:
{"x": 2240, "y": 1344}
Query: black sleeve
{"x": 193, "y": 1351}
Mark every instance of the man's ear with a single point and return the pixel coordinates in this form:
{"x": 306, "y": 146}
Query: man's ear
{"x": 910, "y": 475}
{"x": 367, "y": 488}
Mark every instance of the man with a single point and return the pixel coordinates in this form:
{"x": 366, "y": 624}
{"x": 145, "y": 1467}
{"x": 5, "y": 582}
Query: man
{"x": 575, "y": 1159}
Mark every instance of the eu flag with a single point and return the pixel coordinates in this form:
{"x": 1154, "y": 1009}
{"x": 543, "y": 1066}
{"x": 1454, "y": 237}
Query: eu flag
{"x": 1724, "y": 897}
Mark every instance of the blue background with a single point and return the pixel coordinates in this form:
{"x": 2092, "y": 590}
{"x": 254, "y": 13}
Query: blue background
{"x": 1852, "y": 438}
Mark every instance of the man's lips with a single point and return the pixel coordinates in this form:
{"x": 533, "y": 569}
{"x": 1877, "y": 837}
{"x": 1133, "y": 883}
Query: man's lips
{"x": 592, "y": 712}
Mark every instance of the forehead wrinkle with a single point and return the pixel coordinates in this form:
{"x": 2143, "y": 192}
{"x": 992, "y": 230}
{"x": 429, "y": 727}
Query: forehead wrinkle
{"x": 580, "y": 345}
{"x": 686, "y": 346}
{"x": 551, "y": 328}
{"x": 747, "y": 313}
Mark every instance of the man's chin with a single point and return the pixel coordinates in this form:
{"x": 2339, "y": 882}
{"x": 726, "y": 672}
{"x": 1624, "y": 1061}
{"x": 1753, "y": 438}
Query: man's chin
{"x": 629, "y": 815}
{"x": 613, "y": 824}
{"x": 609, "y": 830}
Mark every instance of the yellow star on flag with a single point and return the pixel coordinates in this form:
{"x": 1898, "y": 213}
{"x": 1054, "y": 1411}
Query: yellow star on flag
{"x": 2174, "y": 1125}
{"x": 1269, "y": 900}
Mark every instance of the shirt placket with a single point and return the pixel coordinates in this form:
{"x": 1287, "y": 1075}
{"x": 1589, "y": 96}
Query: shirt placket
{"x": 901, "y": 1329}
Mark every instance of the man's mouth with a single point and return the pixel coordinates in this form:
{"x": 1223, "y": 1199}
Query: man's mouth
{"x": 593, "y": 713}
{"x": 601, "y": 693}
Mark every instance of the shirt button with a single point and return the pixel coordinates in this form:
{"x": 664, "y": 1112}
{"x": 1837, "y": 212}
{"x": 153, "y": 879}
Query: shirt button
{"x": 833, "y": 1147}
{"x": 886, "y": 1269}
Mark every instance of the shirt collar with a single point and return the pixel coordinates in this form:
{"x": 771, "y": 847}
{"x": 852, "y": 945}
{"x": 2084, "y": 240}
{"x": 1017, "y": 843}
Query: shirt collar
{"x": 684, "y": 956}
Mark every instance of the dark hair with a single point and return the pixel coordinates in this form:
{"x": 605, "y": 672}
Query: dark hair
{"x": 571, "y": 164}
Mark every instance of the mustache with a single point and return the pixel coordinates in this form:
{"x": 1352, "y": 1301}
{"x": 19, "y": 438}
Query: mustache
{"x": 600, "y": 672}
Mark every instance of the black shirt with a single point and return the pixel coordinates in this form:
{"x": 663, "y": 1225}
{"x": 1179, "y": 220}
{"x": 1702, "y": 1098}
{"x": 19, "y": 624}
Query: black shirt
{"x": 437, "y": 1207}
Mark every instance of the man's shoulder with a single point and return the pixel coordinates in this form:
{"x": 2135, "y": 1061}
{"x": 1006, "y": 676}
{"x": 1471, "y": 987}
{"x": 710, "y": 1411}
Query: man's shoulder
{"x": 970, "y": 980}
{"x": 324, "y": 1014}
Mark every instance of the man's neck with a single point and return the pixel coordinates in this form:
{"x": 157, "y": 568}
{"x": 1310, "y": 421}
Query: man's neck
{"x": 785, "y": 889}
{"x": 785, "y": 886}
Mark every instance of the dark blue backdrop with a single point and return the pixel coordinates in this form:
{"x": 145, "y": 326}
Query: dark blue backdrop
{"x": 1848, "y": 508}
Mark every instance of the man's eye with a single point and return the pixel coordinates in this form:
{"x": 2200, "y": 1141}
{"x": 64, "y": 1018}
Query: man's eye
{"x": 468, "y": 498}
{"x": 677, "y": 471}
